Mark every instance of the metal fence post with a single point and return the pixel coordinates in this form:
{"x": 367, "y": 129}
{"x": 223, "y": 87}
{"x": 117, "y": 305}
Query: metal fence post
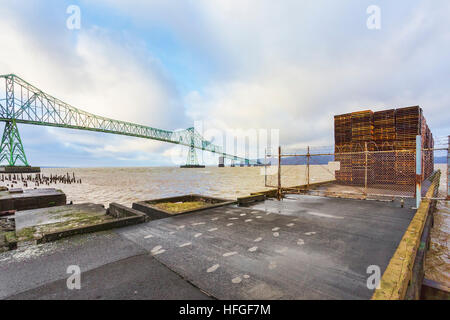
{"x": 265, "y": 167}
{"x": 418, "y": 170}
{"x": 307, "y": 168}
{"x": 279, "y": 173}
{"x": 365, "y": 169}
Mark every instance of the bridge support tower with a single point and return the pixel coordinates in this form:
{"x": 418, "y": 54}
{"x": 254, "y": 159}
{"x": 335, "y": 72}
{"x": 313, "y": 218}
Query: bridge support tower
{"x": 12, "y": 151}
{"x": 192, "y": 160}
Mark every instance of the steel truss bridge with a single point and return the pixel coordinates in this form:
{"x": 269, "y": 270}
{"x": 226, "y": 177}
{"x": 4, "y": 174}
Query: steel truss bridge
{"x": 24, "y": 103}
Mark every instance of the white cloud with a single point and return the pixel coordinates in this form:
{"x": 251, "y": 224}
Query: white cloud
{"x": 105, "y": 142}
{"x": 292, "y": 65}
{"x": 341, "y": 71}
{"x": 99, "y": 71}
{"x": 287, "y": 65}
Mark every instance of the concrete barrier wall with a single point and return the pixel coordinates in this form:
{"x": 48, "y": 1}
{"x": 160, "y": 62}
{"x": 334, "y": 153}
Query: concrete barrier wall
{"x": 33, "y": 202}
{"x": 151, "y": 213}
{"x": 125, "y": 217}
{"x": 414, "y": 289}
{"x": 397, "y": 282}
{"x": 119, "y": 211}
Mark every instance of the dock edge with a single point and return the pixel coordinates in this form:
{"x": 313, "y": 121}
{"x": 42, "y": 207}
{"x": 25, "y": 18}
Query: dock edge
{"x": 397, "y": 277}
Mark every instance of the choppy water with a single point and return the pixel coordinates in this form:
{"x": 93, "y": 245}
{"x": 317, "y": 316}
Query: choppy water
{"x": 128, "y": 185}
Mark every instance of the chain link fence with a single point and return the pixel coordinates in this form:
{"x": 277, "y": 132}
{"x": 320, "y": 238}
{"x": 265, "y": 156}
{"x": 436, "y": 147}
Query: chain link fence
{"x": 356, "y": 170}
{"x": 441, "y": 159}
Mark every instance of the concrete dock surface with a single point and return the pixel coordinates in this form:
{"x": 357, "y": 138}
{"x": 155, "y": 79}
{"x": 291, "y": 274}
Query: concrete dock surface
{"x": 304, "y": 247}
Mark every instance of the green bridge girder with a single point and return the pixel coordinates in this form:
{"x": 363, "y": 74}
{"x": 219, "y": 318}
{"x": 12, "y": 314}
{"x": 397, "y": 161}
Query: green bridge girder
{"x": 25, "y": 103}
{"x": 11, "y": 148}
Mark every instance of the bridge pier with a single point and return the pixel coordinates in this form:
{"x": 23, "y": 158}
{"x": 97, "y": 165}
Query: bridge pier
{"x": 192, "y": 161}
{"x": 221, "y": 162}
{"x": 19, "y": 169}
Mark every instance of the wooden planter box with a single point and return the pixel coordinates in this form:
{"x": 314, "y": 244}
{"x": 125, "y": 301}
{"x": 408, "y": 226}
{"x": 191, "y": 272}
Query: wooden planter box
{"x": 153, "y": 209}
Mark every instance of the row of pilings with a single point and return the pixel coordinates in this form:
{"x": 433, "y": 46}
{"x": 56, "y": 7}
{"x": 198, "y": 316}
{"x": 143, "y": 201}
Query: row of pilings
{"x": 38, "y": 179}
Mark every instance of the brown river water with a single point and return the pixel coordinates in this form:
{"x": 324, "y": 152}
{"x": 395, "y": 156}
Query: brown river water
{"x": 128, "y": 185}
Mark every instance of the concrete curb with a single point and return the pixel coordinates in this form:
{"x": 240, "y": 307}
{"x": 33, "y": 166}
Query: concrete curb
{"x": 305, "y": 186}
{"x": 397, "y": 277}
{"x": 272, "y": 193}
{"x": 251, "y": 199}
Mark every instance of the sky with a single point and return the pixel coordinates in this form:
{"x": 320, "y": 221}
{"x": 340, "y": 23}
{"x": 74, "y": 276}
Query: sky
{"x": 288, "y": 65}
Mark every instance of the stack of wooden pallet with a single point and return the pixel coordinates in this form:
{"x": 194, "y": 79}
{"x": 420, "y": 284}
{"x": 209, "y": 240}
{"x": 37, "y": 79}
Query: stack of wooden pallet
{"x": 410, "y": 123}
{"x": 362, "y": 133}
{"x": 352, "y": 131}
{"x": 362, "y": 127}
{"x": 342, "y": 130}
{"x": 390, "y": 136}
{"x": 384, "y": 164}
{"x": 384, "y": 138}
{"x": 404, "y": 168}
{"x": 343, "y": 144}
{"x": 345, "y": 174}
{"x": 407, "y": 127}
{"x": 384, "y": 129}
